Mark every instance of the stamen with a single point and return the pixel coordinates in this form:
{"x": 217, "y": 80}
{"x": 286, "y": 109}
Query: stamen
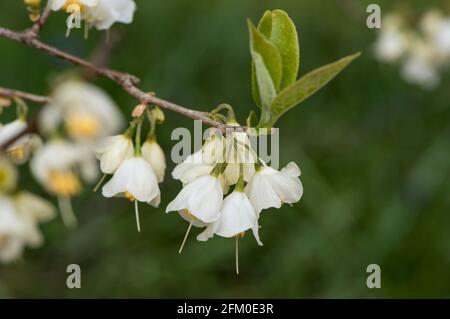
{"x": 237, "y": 255}
{"x": 67, "y": 214}
{"x": 100, "y": 183}
{"x": 186, "y": 236}
{"x": 136, "y": 209}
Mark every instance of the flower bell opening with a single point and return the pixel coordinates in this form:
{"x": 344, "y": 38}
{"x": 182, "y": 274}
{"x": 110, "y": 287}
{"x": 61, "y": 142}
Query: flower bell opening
{"x": 83, "y": 126}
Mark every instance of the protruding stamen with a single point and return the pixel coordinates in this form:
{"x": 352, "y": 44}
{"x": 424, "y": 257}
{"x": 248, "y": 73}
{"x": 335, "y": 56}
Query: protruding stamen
{"x": 237, "y": 255}
{"x": 67, "y": 214}
{"x": 186, "y": 236}
{"x": 136, "y": 209}
{"x": 99, "y": 183}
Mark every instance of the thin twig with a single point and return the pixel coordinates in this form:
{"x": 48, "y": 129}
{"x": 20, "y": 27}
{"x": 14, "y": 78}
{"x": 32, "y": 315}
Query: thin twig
{"x": 10, "y": 93}
{"x": 127, "y": 81}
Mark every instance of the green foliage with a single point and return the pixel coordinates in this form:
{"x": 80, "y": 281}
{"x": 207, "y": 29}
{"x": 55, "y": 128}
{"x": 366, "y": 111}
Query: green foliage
{"x": 280, "y": 30}
{"x": 307, "y": 86}
{"x": 275, "y": 53}
{"x": 267, "y": 68}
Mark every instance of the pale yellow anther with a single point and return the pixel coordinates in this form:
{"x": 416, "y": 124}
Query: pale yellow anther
{"x": 72, "y": 6}
{"x": 129, "y": 196}
{"x": 17, "y": 154}
{"x": 32, "y": 3}
{"x": 82, "y": 126}
{"x": 64, "y": 183}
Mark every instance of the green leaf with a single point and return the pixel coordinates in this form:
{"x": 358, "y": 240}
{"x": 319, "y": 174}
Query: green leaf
{"x": 307, "y": 86}
{"x": 282, "y": 33}
{"x": 265, "y": 85}
{"x": 271, "y": 59}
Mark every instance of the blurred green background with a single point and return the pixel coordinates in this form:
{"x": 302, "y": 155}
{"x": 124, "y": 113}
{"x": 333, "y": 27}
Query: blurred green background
{"x": 374, "y": 153}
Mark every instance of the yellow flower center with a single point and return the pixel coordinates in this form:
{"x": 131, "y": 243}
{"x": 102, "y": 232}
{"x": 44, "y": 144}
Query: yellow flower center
{"x": 129, "y": 196}
{"x": 72, "y": 6}
{"x": 241, "y": 235}
{"x": 17, "y": 154}
{"x": 82, "y": 126}
{"x": 7, "y": 177}
{"x": 188, "y": 214}
{"x": 3, "y": 240}
{"x": 64, "y": 183}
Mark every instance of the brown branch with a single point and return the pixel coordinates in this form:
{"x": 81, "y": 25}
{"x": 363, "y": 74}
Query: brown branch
{"x": 127, "y": 81}
{"x": 10, "y": 93}
{"x": 36, "y": 28}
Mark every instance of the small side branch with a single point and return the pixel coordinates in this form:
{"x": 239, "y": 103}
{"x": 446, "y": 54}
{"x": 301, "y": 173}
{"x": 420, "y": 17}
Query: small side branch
{"x": 10, "y": 93}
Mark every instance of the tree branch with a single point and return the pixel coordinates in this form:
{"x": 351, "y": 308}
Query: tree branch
{"x": 10, "y": 93}
{"x": 128, "y": 82}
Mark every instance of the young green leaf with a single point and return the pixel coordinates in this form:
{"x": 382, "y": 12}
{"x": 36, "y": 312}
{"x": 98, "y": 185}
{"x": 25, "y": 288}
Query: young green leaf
{"x": 271, "y": 59}
{"x": 307, "y": 86}
{"x": 266, "y": 87}
{"x": 280, "y": 30}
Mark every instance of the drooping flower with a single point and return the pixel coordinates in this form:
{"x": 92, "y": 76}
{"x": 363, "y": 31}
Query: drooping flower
{"x": 271, "y": 188}
{"x": 392, "y": 42}
{"x": 112, "y": 151}
{"x": 87, "y": 113}
{"x": 60, "y": 166}
{"x": 153, "y": 153}
{"x": 136, "y": 181}
{"x": 421, "y": 66}
{"x": 192, "y": 168}
{"x": 236, "y": 217}
{"x": 20, "y": 215}
{"x": 202, "y": 197}
{"x": 101, "y": 14}
{"x": 19, "y": 151}
{"x": 11, "y": 231}
{"x": 8, "y": 176}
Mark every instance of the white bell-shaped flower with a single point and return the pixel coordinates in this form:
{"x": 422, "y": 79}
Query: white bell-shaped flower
{"x": 202, "y": 197}
{"x": 11, "y": 232}
{"x": 392, "y": 42}
{"x": 191, "y": 168}
{"x": 87, "y": 112}
{"x": 136, "y": 181}
{"x": 8, "y": 176}
{"x": 271, "y": 188}
{"x": 113, "y": 151}
{"x": 101, "y": 14}
{"x": 236, "y": 217}
{"x": 59, "y": 166}
{"x": 154, "y": 154}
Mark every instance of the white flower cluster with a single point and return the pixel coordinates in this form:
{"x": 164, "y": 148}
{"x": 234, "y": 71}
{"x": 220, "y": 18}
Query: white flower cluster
{"x": 422, "y": 53}
{"x": 137, "y": 168}
{"x": 21, "y": 213}
{"x": 208, "y": 175}
{"x": 101, "y": 14}
{"x": 77, "y": 118}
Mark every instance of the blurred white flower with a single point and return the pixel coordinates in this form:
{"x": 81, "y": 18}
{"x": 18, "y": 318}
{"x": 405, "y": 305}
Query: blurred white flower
{"x": 87, "y": 112}
{"x": 8, "y": 176}
{"x": 271, "y": 188}
{"x": 12, "y": 231}
{"x": 112, "y": 151}
{"x": 19, "y": 151}
{"x": 391, "y": 44}
{"x": 101, "y": 14}
{"x": 136, "y": 181}
{"x": 202, "y": 197}
{"x": 59, "y": 167}
{"x": 154, "y": 154}
{"x": 420, "y": 67}
{"x": 20, "y": 216}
